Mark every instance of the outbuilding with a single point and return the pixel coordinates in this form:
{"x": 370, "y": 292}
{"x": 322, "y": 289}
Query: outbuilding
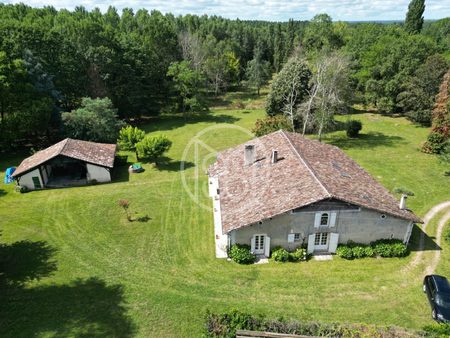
{"x": 67, "y": 163}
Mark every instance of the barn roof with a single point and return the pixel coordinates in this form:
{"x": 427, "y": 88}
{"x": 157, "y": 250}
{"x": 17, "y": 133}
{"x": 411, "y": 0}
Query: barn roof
{"x": 96, "y": 153}
{"x": 307, "y": 171}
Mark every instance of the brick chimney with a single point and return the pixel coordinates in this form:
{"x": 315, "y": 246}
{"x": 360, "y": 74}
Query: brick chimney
{"x": 249, "y": 154}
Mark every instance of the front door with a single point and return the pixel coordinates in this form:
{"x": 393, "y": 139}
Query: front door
{"x": 321, "y": 241}
{"x": 259, "y": 244}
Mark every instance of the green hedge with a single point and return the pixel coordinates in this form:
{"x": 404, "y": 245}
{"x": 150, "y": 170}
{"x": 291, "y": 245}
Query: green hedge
{"x": 240, "y": 253}
{"x": 280, "y": 254}
{"x": 380, "y": 248}
{"x": 225, "y": 325}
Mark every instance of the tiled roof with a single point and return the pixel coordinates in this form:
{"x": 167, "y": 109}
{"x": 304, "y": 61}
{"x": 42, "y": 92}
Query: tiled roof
{"x": 307, "y": 171}
{"x": 95, "y": 153}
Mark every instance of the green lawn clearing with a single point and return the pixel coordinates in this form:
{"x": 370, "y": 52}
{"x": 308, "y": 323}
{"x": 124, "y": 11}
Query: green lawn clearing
{"x": 81, "y": 269}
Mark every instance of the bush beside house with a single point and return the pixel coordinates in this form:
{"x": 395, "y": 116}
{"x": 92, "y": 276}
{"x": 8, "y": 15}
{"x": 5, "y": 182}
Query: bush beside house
{"x": 240, "y": 253}
{"x": 380, "y": 248}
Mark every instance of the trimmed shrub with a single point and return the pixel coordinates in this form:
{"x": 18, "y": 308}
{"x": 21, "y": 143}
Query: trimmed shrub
{"x": 344, "y": 251}
{"x": 368, "y": 251}
{"x": 399, "y": 250}
{"x": 401, "y": 190}
{"x": 359, "y": 251}
{"x": 129, "y": 136}
{"x": 435, "y": 143}
{"x": 240, "y": 253}
{"x": 280, "y": 255}
{"x": 21, "y": 188}
{"x": 353, "y": 127}
{"x": 152, "y": 147}
{"x": 299, "y": 254}
{"x": 382, "y": 248}
{"x": 389, "y": 248}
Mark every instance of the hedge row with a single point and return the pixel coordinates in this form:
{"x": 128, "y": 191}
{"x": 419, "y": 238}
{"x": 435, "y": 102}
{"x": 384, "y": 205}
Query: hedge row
{"x": 380, "y": 248}
{"x": 225, "y": 325}
{"x": 280, "y": 254}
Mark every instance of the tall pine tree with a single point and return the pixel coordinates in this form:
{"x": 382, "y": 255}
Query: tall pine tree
{"x": 414, "y": 17}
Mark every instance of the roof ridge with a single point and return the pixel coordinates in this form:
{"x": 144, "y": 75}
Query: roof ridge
{"x": 305, "y": 162}
{"x": 66, "y": 140}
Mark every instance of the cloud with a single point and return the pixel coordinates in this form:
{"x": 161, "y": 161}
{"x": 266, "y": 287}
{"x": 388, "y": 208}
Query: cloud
{"x": 274, "y": 10}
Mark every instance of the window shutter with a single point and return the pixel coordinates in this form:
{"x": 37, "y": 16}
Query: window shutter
{"x": 334, "y": 238}
{"x": 333, "y": 219}
{"x": 311, "y": 243}
{"x": 317, "y": 220}
{"x": 267, "y": 247}
{"x": 252, "y": 244}
{"x": 291, "y": 238}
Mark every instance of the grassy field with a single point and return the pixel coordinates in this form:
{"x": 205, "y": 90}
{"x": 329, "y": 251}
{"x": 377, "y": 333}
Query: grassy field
{"x": 77, "y": 267}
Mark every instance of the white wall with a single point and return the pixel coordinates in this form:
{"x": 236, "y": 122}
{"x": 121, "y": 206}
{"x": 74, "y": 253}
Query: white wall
{"x": 26, "y": 180}
{"x": 221, "y": 239}
{"x": 97, "y": 173}
{"x": 361, "y": 226}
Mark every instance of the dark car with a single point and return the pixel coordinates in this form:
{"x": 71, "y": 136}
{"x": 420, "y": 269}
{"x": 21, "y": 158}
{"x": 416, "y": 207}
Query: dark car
{"x": 437, "y": 289}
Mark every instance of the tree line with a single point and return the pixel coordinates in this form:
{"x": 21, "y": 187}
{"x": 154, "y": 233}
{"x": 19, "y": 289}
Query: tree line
{"x": 147, "y": 63}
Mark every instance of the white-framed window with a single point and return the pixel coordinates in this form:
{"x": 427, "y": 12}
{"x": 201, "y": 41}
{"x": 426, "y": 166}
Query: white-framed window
{"x": 321, "y": 238}
{"x": 297, "y": 237}
{"x": 259, "y": 242}
{"x": 324, "y": 219}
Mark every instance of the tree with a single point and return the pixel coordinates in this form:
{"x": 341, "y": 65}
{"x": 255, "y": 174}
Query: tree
{"x": 269, "y": 124}
{"x": 258, "y": 71}
{"x": 440, "y": 132}
{"x": 329, "y": 93}
{"x": 414, "y": 16}
{"x": 25, "y": 106}
{"x": 295, "y": 73}
{"x": 320, "y": 34}
{"x": 388, "y": 63}
{"x": 219, "y": 64}
{"x": 96, "y": 120}
{"x": 187, "y": 82}
{"x": 192, "y": 49}
{"x": 152, "y": 147}
{"x": 418, "y": 91}
{"x": 129, "y": 136}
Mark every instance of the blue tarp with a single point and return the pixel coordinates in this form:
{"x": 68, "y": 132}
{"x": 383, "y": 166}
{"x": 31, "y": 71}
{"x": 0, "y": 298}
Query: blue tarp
{"x": 8, "y": 173}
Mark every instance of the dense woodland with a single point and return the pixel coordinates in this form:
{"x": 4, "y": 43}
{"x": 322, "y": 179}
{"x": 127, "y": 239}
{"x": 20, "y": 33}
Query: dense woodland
{"x": 148, "y": 63}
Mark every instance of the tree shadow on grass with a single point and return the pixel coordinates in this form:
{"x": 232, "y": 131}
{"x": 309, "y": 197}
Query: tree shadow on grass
{"x": 167, "y": 164}
{"x": 170, "y": 122}
{"x": 366, "y": 141}
{"x": 82, "y": 308}
{"x": 23, "y": 261}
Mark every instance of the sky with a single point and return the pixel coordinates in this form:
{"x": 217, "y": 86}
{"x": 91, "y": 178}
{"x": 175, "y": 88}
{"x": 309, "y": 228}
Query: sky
{"x": 273, "y": 10}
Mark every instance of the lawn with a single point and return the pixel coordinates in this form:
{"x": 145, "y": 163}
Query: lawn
{"x": 79, "y": 268}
